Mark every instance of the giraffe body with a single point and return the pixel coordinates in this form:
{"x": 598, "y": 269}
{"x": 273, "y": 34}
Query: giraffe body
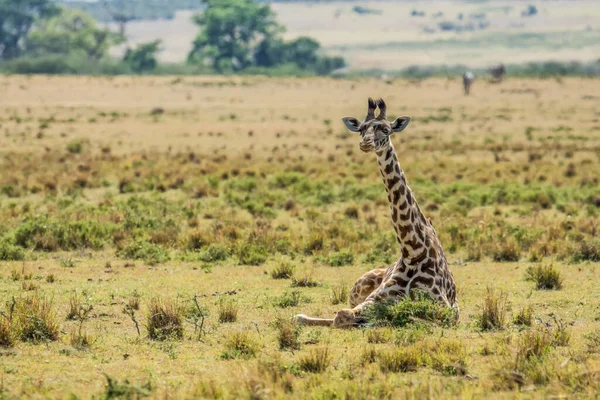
{"x": 422, "y": 264}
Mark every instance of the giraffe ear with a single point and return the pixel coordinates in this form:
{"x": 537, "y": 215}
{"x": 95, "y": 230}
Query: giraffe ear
{"x": 351, "y": 123}
{"x": 400, "y": 123}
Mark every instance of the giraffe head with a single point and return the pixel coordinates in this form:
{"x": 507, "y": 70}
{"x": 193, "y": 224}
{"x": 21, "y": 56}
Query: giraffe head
{"x": 344, "y": 318}
{"x": 375, "y": 131}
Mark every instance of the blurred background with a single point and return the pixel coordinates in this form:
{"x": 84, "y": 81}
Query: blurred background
{"x": 299, "y": 37}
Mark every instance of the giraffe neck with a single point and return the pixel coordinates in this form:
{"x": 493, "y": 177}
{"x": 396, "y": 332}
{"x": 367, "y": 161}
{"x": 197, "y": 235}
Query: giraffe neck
{"x": 407, "y": 218}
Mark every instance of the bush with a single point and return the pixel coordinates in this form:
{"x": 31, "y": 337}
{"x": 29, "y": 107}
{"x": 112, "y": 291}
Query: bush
{"x": 35, "y": 319}
{"x": 10, "y": 252}
{"x": 290, "y": 299}
{"x": 164, "y": 320}
{"x": 493, "y": 311}
{"x": 506, "y": 250}
{"x": 7, "y": 338}
{"x": 213, "y": 253}
{"x": 589, "y": 250}
{"x": 340, "y": 258}
{"x": 75, "y": 147}
{"x": 409, "y": 311}
{"x": 43, "y": 233}
{"x": 545, "y": 277}
{"x": 252, "y": 253}
{"x": 141, "y": 249}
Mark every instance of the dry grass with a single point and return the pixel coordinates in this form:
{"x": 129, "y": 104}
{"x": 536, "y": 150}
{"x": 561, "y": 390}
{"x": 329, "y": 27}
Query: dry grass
{"x": 164, "y": 320}
{"x": 185, "y": 203}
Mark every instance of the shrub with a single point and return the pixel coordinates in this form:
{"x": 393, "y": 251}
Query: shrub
{"x": 304, "y": 280}
{"x": 43, "y": 233}
{"x": 164, "y": 320}
{"x": 313, "y": 243}
{"x": 141, "y": 249}
{"x": 283, "y": 271}
{"x": 228, "y": 310}
{"x": 545, "y": 277}
{"x": 339, "y": 294}
{"x": 125, "y": 390}
{"x": 75, "y": 147}
{"x": 316, "y": 361}
{"x": 10, "y": 252}
{"x": 288, "y": 333}
{"x": 506, "y": 250}
{"x": 239, "y": 345}
{"x": 340, "y": 258}
{"x": 252, "y": 253}
{"x": 589, "y": 250}
{"x": 35, "y": 319}
{"x": 214, "y": 252}
{"x": 493, "y": 311}
{"x": 408, "y": 311}
{"x": 7, "y": 338}
{"x": 290, "y": 299}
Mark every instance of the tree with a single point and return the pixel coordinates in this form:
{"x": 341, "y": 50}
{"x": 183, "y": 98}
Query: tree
{"x": 303, "y": 51}
{"x": 230, "y": 30}
{"x": 143, "y": 57}
{"x": 16, "y": 20}
{"x": 70, "y": 32}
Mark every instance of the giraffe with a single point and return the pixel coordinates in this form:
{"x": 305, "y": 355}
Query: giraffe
{"x": 497, "y": 72}
{"x": 422, "y": 264}
{"x": 468, "y": 79}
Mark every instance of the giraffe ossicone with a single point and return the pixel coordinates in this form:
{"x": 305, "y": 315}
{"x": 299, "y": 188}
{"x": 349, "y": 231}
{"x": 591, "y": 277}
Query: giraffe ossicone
{"x": 422, "y": 264}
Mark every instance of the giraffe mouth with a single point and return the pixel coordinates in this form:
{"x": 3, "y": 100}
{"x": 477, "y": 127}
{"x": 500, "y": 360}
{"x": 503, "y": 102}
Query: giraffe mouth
{"x": 366, "y": 147}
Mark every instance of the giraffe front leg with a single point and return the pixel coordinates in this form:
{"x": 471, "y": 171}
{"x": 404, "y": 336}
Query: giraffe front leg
{"x": 310, "y": 321}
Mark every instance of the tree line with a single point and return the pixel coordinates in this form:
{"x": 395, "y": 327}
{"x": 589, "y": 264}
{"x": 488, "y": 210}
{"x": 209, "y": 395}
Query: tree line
{"x": 235, "y": 36}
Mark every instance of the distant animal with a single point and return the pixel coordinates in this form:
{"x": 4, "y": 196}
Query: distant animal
{"x": 422, "y": 264}
{"x": 468, "y": 79}
{"x": 497, "y": 72}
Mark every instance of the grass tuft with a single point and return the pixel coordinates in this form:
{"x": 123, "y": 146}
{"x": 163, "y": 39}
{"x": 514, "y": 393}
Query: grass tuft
{"x": 35, "y": 319}
{"x": 290, "y": 299}
{"x": 492, "y": 315}
{"x": 545, "y": 277}
{"x": 228, "y": 310}
{"x": 164, "y": 320}
{"x": 316, "y": 361}
{"x": 283, "y": 271}
{"x": 524, "y": 317}
{"x": 339, "y": 294}
{"x": 288, "y": 333}
{"x": 239, "y": 345}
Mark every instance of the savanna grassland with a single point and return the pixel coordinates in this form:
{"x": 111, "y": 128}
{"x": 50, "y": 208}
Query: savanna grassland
{"x": 157, "y": 235}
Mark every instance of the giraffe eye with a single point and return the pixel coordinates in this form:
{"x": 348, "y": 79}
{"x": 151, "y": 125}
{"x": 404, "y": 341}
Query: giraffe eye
{"x": 386, "y": 131}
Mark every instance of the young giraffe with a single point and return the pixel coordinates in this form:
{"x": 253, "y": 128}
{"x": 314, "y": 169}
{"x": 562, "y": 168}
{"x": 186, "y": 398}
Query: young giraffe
{"x": 422, "y": 264}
